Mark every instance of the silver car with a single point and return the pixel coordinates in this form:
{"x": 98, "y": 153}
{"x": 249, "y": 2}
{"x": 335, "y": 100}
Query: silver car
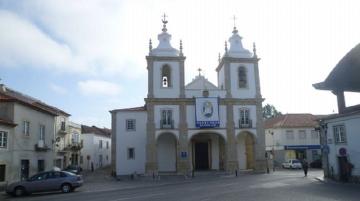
{"x": 46, "y": 181}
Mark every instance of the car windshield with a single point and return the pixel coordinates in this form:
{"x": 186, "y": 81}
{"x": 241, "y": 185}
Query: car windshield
{"x": 69, "y": 173}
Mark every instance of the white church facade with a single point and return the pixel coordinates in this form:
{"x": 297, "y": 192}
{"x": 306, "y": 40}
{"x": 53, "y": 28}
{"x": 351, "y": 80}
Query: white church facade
{"x": 194, "y": 126}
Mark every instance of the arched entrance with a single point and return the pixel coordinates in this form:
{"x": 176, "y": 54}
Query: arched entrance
{"x": 166, "y": 152}
{"x": 246, "y": 150}
{"x": 207, "y": 151}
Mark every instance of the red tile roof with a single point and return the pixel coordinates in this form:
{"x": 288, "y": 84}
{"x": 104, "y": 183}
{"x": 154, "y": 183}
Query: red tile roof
{"x": 95, "y": 130}
{"x": 133, "y": 109}
{"x": 10, "y": 95}
{"x": 292, "y": 121}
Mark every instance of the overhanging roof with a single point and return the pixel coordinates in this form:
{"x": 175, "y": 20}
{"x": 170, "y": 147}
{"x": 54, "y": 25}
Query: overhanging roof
{"x": 346, "y": 74}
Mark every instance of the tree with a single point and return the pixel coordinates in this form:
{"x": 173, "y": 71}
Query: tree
{"x": 270, "y": 111}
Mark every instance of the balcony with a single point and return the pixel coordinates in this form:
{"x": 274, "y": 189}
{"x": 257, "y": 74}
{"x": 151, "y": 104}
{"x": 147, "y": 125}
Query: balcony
{"x": 41, "y": 146}
{"x": 247, "y": 124}
{"x": 75, "y": 146}
{"x": 62, "y": 131}
{"x": 166, "y": 124}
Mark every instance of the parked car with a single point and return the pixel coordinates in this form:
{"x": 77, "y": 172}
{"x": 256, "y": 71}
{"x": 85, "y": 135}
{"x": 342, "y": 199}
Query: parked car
{"x": 73, "y": 169}
{"x": 46, "y": 181}
{"x": 292, "y": 164}
{"x": 316, "y": 164}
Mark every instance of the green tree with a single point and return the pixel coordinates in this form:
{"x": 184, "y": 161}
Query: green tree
{"x": 270, "y": 111}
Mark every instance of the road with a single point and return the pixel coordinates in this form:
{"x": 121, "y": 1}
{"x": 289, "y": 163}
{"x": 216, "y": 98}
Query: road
{"x": 280, "y": 186}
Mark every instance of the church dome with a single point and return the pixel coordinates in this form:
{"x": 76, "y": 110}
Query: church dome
{"x": 236, "y": 47}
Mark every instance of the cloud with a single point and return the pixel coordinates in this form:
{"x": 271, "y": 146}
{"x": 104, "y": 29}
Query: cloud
{"x": 99, "y": 88}
{"x": 58, "y": 89}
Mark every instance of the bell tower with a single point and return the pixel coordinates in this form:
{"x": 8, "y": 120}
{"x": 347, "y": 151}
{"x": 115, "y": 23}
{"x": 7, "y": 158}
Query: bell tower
{"x": 165, "y": 66}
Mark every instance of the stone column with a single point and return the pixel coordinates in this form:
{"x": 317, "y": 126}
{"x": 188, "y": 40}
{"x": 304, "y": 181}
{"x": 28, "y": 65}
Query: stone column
{"x": 231, "y": 153}
{"x": 151, "y": 166}
{"x": 340, "y": 100}
{"x": 183, "y": 164}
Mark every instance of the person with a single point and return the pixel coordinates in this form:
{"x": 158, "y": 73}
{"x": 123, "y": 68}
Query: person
{"x": 305, "y": 167}
{"x": 348, "y": 169}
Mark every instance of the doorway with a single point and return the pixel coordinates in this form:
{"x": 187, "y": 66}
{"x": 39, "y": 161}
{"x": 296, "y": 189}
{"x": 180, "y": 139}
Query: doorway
{"x": 24, "y": 169}
{"x": 343, "y": 169}
{"x": 201, "y": 155}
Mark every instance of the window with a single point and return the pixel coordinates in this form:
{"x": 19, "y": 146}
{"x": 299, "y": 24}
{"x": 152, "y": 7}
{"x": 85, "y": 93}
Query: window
{"x": 41, "y": 165}
{"x": 100, "y": 144}
{"x": 81, "y": 159}
{"x": 289, "y": 135}
{"x": 2, "y": 172}
{"x": 242, "y": 77}
{"x": 244, "y": 116}
{"x": 131, "y": 153}
{"x": 63, "y": 125}
{"x": 315, "y": 154}
{"x": 166, "y": 118}
{"x": 107, "y": 144}
{"x": 107, "y": 157}
{"x": 75, "y": 138}
{"x": 166, "y": 76}
{"x": 3, "y": 139}
{"x": 26, "y": 128}
{"x": 339, "y": 134}
{"x": 314, "y": 134}
{"x": 302, "y": 134}
{"x": 42, "y": 132}
{"x": 130, "y": 125}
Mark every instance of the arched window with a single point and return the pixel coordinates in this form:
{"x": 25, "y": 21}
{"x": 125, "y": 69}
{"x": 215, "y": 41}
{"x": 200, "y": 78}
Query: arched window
{"x": 242, "y": 77}
{"x": 166, "y": 76}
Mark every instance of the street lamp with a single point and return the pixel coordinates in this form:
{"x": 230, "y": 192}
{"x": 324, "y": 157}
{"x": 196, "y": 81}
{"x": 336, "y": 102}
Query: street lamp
{"x": 273, "y": 150}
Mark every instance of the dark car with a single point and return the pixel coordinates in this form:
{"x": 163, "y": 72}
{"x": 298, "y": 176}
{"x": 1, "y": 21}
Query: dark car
{"x": 46, "y": 181}
{"x": 73, "y": 169}
{"x": 316, "y": 164}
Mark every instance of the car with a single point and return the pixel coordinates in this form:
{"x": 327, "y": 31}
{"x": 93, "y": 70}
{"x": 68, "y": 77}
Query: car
{"x": 46, "y": 181}
{"x": 73, "y": 169}
{"x": 292, "y": 164}
{"x": 316, "y": 164}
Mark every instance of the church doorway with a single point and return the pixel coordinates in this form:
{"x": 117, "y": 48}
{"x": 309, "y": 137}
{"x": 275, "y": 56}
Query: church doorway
{"x": 201, "y": 155}
{"x": 207, "y": 151}
{"x": 246, "y": 150}
{"x": 166, "y": 152}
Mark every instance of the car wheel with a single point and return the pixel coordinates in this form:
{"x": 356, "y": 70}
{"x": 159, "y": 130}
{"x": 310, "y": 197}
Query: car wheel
{"x": 66, "y": 188}
{"x": 19, "y": 191}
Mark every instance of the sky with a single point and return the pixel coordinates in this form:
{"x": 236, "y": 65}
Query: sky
{"x": 87, "y": 57}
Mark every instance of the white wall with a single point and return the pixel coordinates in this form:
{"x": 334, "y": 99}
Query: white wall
{"x": 352, "y": 128}
{"x": 250, "y": 91}
{"x": 126, "y": 139}
{"x": 91, "y": 148}
{"x": 168, "y": 92}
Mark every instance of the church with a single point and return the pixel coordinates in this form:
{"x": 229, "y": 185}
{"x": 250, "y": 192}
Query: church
{"x": 197, "y": 126}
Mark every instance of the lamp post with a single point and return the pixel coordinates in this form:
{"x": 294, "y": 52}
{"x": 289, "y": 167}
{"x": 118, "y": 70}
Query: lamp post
{"x": 273, "y": 150}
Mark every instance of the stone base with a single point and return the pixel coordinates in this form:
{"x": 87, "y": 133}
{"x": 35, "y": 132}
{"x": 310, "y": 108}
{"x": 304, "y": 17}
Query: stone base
{"x": 261, "y": 166}
{"x": 151, "y": 168}
{"x": 232, "y": 166}
{"x": 183, "y": 167}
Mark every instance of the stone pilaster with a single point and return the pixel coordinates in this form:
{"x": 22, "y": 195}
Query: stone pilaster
{"x": 260, "y": 160}
{"x": 183, "y": 164}
{"x": 150, "y": 67}
{"x": 182, "y": 79}
{"x": 151, "y": 166}
{"x": 231, "y": 153}
{"x": 227, "y": 79}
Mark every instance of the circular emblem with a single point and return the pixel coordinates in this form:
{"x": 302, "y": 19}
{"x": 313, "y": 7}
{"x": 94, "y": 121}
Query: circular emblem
{"x": 207, "y": 109}
{"x": 342, "y": 151}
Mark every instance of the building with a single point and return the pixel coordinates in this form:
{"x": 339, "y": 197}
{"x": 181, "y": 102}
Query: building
{"x": 27, "y": 128}
{"x": 96, "y": 151}
{"x": 293, "y": 136}
{"x": 340, "y": 132}
{"x": 197, "y": 126}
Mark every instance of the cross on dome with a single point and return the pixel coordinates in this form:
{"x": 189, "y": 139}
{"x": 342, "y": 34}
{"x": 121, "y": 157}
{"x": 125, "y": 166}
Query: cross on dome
{"x": 164, "y": 21}
{"x": 199, "y": 69}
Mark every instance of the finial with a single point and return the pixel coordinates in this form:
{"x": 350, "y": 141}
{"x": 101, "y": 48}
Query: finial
{"x": 254, "y": 50}
{"x": 164, "y": 21}
{"x": 181, "y": 48}
{"x": 150, "y": 45}
{"x": 235, "y": 30}
{"x": 219, "y": 57}
{"x": 226, "y": 49}
{"x": 199, "y": 69}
